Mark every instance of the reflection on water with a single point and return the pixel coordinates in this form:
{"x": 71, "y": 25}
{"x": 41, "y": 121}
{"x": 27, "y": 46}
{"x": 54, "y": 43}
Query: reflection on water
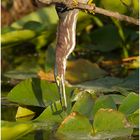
{"x": 8, "y": 109}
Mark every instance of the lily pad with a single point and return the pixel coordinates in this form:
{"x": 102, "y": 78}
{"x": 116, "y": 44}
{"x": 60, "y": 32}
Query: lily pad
{"x": 76, "y": 73}
{"x": 104, "y": 84}
{"x": 53, "y": 113}
{"x": 24, "y": 114}
{"x": 14, "y": 130}
{"x": 110, "y": 84}
{"x": 84, "y": 105}
{"x": 75, "y": 124}
{"x": 104, "y": 102}
{"x": 129, "y": 104}
{"x": 20, "y": 74}
{"x": 117, "y": 98}
{"x": 131, "y": 81}
{"x": 35, "y": 92}
{"x": 111, "y": 123}
{"x": 134, "y": 118}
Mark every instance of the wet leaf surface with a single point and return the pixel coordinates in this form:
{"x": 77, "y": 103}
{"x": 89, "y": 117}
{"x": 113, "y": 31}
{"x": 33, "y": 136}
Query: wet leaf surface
{"x": 76, "y": 73}
{"x": 104, "y": 102}
{"x": 24, "y": 114}
{"x": 84, "y": 105}
{"x": 129, "y": 104}
{"x": 52, "y": 113}
{"x": 134, "y": 118}
{"x": 110, "y": 84}
{"x": 75, "y": 123}
{"x": 103, "y": 71}
{"x": 16, "y": 129}
{"x": 109, "y": 123}
{"x": 35, "y": 92}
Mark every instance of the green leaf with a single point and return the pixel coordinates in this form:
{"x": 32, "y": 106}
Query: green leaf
{"x": 129, "y": 104}
{"x": 110, "y": 84}
{"x": 131, "y": 81}
{"x": 116, "y": 5}
{"x": 76, "y": 73}
{"x": 134, "y": 118}
{"x": 7, "y": 29}
{"x": 103, "y": 102}
{"x": 84, "y": 105}
{"x": 109, "y": 123}
{"x": 47, "y": 16}
{"x": 35, "y": 26}
{"x": 24, "y": 114}
{"x": 17, "y": 36}
{"x": 75, "y": 125}
{"x": 105, "y": 38}
{"x": 45, "y": 19}
{"x": 16, "y": 74}
{"x": 117, "y": 98}
{"x": 53, "y": 113}
{"x": 35, "y": 92}
{"x": 104, "y": 84}
{"x": 14, "y": 130}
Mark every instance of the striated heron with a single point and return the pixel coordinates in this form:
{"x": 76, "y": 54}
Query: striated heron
{"x": 66, "y": 40}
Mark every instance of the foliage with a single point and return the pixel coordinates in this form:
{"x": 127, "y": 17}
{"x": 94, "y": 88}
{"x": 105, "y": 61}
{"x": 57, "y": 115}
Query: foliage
{"x": 102, "y": 75}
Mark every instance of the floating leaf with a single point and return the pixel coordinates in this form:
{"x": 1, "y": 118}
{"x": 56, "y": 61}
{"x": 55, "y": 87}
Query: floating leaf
{"x": 109, "y": 84}
{"x": 129, "y": 104}
{"x": 75, "y": 124}
{"x": 24, "y": 114}
{"x": 131, "y": 81}
{"x": 84, "y": 105}
{"x": 104, "y": 102}
{"x": 35, "y": 92}
{"x": 77, "y": 73}
{"x": 14, "y": 130}
{"x": 117, "y": 98}
{"x": 109, "y": 123}
{"x": 20, "y": 74}
{"x": 134, "y": 118}
{"x": 53, "y": 113}
{"x": 104, "y": 84}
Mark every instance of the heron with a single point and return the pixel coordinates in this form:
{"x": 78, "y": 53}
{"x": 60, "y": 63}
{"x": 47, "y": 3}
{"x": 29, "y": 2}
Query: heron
{"x": 66, "y": 40}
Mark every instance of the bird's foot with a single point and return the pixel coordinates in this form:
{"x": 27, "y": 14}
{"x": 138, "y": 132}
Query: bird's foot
{"x": 90, "y": 3}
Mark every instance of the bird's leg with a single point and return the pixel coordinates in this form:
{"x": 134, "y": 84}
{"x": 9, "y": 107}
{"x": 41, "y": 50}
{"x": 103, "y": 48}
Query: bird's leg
{"x": 61, "y": 86}
{"x": 60, "y": 68}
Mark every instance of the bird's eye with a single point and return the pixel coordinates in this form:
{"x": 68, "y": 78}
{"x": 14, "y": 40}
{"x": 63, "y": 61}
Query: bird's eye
{"x": 61, "y": 8}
